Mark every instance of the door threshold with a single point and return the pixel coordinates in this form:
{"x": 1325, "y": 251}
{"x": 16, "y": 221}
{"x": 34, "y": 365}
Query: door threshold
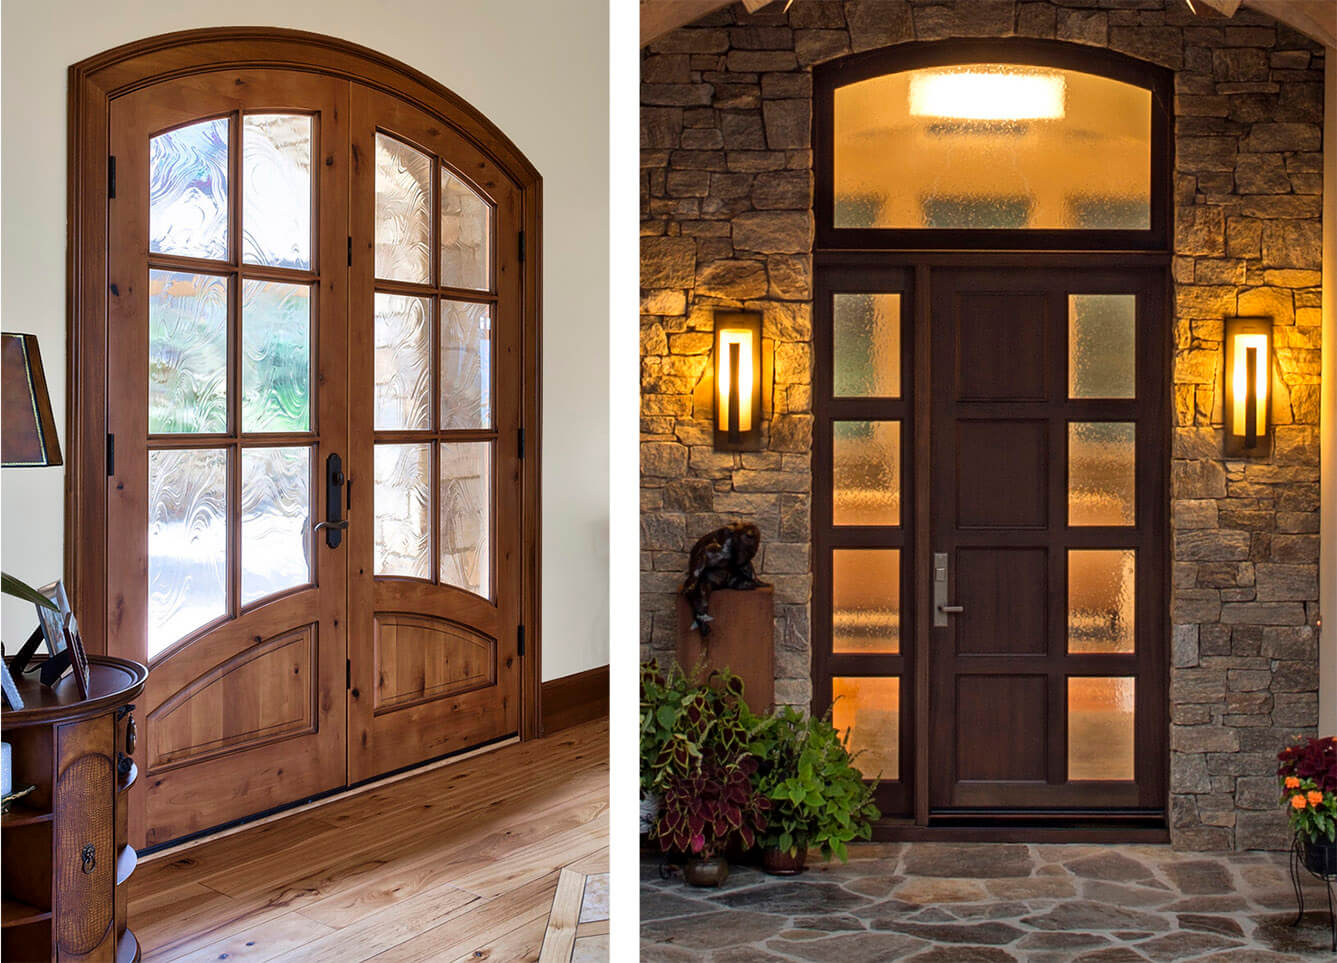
{"x": 1034, "y": 830}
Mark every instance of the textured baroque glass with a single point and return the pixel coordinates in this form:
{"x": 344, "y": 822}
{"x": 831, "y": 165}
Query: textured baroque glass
{"x": 275, "y": 521}
{"x": 403, "y": 362}
{"x": 866, "y": 600}
{"x": 1100, "y": 727}
{"x": 403, "y": 212}
{"x": 466, "y": 365}
{"x": 188, "y": 190}
{"x": 1102, "y": 336}
{"x": 466, "y": 516}
{"x": 869, "y": 707}
{"x": 1101, "y": 591}
{"x": 867, "y": 342}
{"x": 1101, "y": 472}
{"x": 276, "y": 190}
{"x": 466, "y": 236}
{"x": 187, "y": 543}
{"x": 187, "y": 352}
{"x": 275, "y": 356}
{"x": 403, "y": 503}
{"x": 867, "y": 473}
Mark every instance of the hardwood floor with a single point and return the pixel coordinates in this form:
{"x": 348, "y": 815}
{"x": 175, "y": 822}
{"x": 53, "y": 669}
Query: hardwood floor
{"x": 457, "y": 863}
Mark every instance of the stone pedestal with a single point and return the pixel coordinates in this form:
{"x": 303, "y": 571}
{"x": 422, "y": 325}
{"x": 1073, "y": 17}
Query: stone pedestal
{"x": 741, "y": 640}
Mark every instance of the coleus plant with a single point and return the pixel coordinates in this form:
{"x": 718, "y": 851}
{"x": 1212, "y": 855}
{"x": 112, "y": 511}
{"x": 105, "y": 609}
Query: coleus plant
{"x": 1314, "y": 759}
{"x": 682, "y": 720}
{"x": 706, "y": 809}
{"x": 1308, "y": 773}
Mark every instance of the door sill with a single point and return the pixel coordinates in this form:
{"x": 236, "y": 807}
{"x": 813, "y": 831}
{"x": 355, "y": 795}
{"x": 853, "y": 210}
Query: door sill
{"x": 1026, "y": 828}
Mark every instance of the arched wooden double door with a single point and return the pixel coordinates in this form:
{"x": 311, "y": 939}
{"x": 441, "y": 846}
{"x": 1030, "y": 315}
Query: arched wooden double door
{"x": 315, "y": 492}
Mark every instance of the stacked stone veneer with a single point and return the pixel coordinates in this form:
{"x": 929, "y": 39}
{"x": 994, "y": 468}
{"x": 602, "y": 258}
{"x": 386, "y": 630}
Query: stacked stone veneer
{"x": 726, "y": 197}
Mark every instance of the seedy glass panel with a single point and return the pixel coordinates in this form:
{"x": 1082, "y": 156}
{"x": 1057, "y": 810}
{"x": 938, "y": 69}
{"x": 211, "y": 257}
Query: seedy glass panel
{"x": 187, "y": 543}
{"x": 188, "y": 190}
{"x": 466, "y": 365}
{"x": 866, "y": 487}
{"x": 403, "y": 362}
{"x": 1101, "y": 472}
{"x": 1100, "y": 727}
{"x": 403, "y": 503}
{"x": 870, "y": 708}
{"x": 867, "y": 330}
{"x": 466, "y": 236}
{"x": 403, "y": 212}
{"x": 1101, "y": 611}
{"x": 187, "y": 352}
{"x": 866, "y": 600}
{"x": 275, "y": 521}
{"x": 276, "y": 190}
{"x": 1102, "y": 345}
{"x": 466, "y": 516}
{"x": 275, "y": 356}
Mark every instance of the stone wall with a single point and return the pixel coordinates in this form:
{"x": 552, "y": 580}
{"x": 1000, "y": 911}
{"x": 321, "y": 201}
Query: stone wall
{"x": 726, "y": 193}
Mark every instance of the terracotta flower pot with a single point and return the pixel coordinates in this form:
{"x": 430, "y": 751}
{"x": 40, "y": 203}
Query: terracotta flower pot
{"x": 707, "y": 872}
{"x": 1321, "y": 857}
{"x": 778, "y": 862}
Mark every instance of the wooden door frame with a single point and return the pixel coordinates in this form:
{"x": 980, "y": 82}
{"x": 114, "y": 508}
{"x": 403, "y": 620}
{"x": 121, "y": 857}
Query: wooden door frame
{"x": 93, "y": 84}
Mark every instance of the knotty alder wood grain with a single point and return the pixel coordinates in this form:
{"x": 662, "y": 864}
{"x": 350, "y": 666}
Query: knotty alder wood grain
{"x": 460, "y": 860}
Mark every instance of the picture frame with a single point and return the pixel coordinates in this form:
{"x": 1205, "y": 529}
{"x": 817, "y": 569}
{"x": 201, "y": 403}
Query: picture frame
{"x": 11, "y": 689}
{"x": 50, "y": 628}
{"x": 78, "y": 657}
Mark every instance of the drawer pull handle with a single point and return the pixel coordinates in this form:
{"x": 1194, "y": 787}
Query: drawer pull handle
{"x": 89, "y": 855}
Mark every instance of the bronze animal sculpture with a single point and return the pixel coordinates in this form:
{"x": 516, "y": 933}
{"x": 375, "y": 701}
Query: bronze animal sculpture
{"x": 720, "y": 559}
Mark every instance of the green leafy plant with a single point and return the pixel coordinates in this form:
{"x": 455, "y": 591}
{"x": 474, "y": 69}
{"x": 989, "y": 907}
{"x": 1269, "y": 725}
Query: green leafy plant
{"x": 1308, "y": 773}
{"x": 20, "y": 589}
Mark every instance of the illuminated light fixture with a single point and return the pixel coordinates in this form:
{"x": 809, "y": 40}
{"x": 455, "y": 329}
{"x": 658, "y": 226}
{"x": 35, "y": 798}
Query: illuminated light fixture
{"x": 737, "y": 380}
{"x": 989, "y": 92}
{"x": 1248, "y": 345}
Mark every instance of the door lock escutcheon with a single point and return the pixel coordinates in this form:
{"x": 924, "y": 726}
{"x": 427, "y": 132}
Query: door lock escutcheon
{"x": 334, "y": 523}
{"x": 941, "y": 607}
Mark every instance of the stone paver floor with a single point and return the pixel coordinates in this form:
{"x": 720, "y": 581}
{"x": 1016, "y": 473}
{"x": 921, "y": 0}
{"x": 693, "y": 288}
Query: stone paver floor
{"x": 981, "y": 903}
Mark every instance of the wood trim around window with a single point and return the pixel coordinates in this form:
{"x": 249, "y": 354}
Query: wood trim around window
{"x": 93, "y": 84}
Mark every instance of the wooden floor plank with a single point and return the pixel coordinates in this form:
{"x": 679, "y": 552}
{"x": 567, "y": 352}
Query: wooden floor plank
{"x": 560, "y": 935}
{"x": 521, "y": 944}
{"x": 260, "y": 942}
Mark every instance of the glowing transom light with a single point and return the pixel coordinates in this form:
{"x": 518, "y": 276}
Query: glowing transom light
{"x": 1243, "y": 343}
{"x": 988, "y": 93}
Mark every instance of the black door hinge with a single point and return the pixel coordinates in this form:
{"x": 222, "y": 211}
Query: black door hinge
{"x": 520, "y": 640}
{"x": 522, "y": 247}
{"x": 348, "y": 673}
{"x": 522, "y": 444}
{"x": 350, "y": 251}
{"x": 111, "y": 176}
{"x": 111, "y": 454}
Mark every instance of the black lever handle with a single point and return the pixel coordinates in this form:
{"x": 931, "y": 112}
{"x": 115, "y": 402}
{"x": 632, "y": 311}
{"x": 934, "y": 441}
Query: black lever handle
{"x": 334, "y": 523}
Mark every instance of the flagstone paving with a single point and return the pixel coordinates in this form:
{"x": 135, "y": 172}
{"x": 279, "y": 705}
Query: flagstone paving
{"x": 987, "y": 903}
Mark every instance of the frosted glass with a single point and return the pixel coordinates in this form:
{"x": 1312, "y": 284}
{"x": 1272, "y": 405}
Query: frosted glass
{"x": 466, "y": 516}
{"x": 403, "y": 362}
{"x": 867, "y": 473}
{"x": 275, "y": 356}
{"x": 866, "y": 600}
{"x": 275, "y": 521}
{"x": 1100, "y": 727}
{"x": 188, "y": 190}
{"x": 466, "y": 365}
{"x": 276, "y": 190}
{"x": 187, "y": 352}
{"x": 1101, "y": 589}
{"x": 1102, "y": 336}
{"x": 870, "y": 709}
{"x": 403, "y": 212}
{"x": 867, "y": 330}
{"x": 1101, "y": 472}
{"x": 403, "y": 503}
{"x": 466, "y": 236}
{"x": 187, "y": 543}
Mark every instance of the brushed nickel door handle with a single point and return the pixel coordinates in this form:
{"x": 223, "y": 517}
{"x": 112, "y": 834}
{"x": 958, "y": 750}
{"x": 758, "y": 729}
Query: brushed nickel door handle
{"x": 952, "y": 609}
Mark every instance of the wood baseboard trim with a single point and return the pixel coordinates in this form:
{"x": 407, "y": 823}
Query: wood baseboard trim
{"x": 573, "y": 699}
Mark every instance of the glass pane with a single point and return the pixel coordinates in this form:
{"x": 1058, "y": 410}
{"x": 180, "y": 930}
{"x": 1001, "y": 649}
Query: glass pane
{"x": 187, "y": 543}
{"x": 187, "y": 352}
{"x": 403, "y": 362}
{"x": 866, "y": 600}
{"x": 1100, "y": 599}
{"x": 403, "y": 503}
{"x": 868, "y": 345}
{"x": 466, "y": 236}
{"x": 466, "y": 365}
{"x": 466, "y": 516}
{"x": 1101, "y": 472}
{"x": 275, "y": 356}
{"x": 276, "y": 190}
{"x": 1102, "y": 336}
{"x": 188, "y": 200}
{"x": 1100, "y": 727}
{"x": 867, "y": 479}
{"x": 403, "y": 211}
{"x": 992, "y": 146}
{"x": 870, "y": 708}
{"x": 275, "y": 520}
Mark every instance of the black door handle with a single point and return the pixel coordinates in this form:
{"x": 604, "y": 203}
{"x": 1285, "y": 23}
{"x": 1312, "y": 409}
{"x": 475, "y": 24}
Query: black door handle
{"x": 334, "y": 523}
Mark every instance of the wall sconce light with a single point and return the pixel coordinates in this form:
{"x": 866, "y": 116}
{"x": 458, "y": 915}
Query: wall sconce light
{"x": 1248, "y": 377}
{"x": 737, "y": 380}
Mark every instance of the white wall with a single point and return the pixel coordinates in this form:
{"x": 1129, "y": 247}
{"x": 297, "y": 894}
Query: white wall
{"x": 538, "y": 70}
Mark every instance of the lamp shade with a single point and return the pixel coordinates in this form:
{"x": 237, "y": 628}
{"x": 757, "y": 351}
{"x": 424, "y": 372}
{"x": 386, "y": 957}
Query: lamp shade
{"x": 29, "y": 431}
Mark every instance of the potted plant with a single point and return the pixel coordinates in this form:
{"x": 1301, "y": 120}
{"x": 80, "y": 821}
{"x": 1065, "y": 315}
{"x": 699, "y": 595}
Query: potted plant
{"x": 818, "y": 798}
{"x": 707, "y": 809}
{"x": 1308, "y": 773}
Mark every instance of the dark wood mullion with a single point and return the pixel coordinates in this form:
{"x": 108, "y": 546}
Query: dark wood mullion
{"x": 866, "y": 537}
{"x": 191, "y": 265}
{"x": 1056, "y": 628}
{"x": 466, "y": 294}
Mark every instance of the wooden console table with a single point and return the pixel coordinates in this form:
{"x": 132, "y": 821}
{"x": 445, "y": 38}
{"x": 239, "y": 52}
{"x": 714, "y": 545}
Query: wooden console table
{"x": 66, "y": 858}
